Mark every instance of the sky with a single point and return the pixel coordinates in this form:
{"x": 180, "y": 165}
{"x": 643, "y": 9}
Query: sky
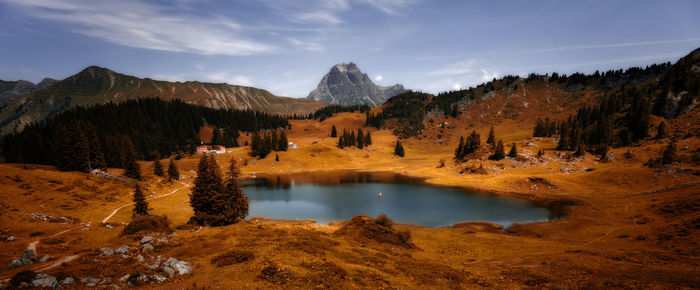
{"x": 286, "y": 46}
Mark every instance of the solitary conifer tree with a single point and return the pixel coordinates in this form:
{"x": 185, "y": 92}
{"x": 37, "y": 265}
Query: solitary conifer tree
{"x": 140, "y": 204}
{"x": 669, "y": 153}
{"x": 207, "y": 188}
{"x": 500, "y": 152}
{"x": 398, "y": 149}
{"x": 277, "y": 158}
{"x": 235, "y": 207}
{"x": 492, "y": 138}
{"x": 158, "y": 168}
{"x": 334, "y": 132}
{"x": 173, "y": 173}
{"x": 368, "y": 139}
{"x": 513, "y": 151}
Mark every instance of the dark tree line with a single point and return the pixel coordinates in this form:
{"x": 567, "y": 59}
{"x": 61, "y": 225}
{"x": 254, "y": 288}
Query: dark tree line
{"x": 328, "y": 111}
{"x": 409, "y": 107}
{"x": 263, "y": 143}
{"x": 227, "y": 137}
{"x": 74, "y": 139}
{"x": 351, "y": 139}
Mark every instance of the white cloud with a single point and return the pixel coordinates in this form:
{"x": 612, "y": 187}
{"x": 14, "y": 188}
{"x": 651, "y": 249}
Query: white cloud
{"x": 488, "y": 76}
{"x": 457, "y": 68}
{"x": 307, "y": 45}
{"x": 135, "y": 23}
{"x": 329, "y": 11}
{"x": 390, "y": 6}
{"x": 378, "y": 78}
{"x": 225, "y": 77}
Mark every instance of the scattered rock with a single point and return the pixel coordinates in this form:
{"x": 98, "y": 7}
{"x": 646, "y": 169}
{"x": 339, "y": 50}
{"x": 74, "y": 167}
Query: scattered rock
{"x": 174, "y": 234}
{"x": 68, "y": 280}
{"x": 91, "y": 282}
{"x": 158, "y": 278}
{"x": 139, "y": 258}
{"x": 146, "y": 240}
{"x": 147, "y": 248}
{"x": 45, "y": 281}
{"x": 610, "y": 157}
{"x": 124, "y": 278}
{"x": 15, "y": 264}
{"x": 530, "y": 144}
{"x": 28, "y": 254}
{"x": 162, "y": 240}
{"x": 181, "y": 267}
{"x": 122, "y": 256}
{"x": 122, "y": 250}
{"x": 106, "y": 252}
{"x": 155, "y": 265}
{"x": 11, "y": 238}
{"x": 169, "y": 271}
{"x": 108, "y": 226}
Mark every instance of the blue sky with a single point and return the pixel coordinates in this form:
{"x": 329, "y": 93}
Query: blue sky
{"x": 286, "y": 46}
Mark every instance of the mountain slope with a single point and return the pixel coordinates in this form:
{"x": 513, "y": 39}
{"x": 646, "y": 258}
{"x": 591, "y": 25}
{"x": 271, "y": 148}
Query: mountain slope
{"x": 10, "y": 90}
{"x": 96, "y": 85}
{"x": 345, "y": 84}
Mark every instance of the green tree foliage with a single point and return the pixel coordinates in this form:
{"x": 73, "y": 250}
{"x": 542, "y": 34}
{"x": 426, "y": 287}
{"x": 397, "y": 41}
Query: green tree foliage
{"x": 263, "y": 143}
{"x": 352, "y": 139}
{"x": 330, "y": 110}
{"x": 235, "y": 206}
{"x": 132, "y": 169}
{"x": 216, "y": 138}
{"x": 668, "y": 155}
{"x": 334, "y": 132}
{"x": 499, "y": 153}
{"x": 140, "y": 204}
{"x": 470, "y": 146}
{"x": 398, "y": 149}
{"x": 173, "y": 172}
{"x": 158, "y": 168}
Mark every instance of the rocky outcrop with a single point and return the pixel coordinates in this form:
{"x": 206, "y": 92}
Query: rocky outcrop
{"x": 10, "y": 90}
{"x": 345, "y": 84}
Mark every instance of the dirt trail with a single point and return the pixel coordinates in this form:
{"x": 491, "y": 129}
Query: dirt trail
{"x": 32, "y": 245}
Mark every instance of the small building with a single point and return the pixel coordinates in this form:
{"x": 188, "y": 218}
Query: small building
{"x": 292, "y": 145}
{"x": 215, "y": 149}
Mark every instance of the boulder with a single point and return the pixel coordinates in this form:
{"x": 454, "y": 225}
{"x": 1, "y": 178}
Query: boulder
{"x": 15, "y": 264}
{"x": 106, "y": 252}
{"x": 91, "y": 282}
{"x": 124, "y": 278}
{"x": 68, "y": 280}
{"x": 147, "y": 248}
{"x": 181, "y": 267}
{"x": 122, "y": 250}
{"x": 28, "y": 254}
{"x": 146, "y": 240}
{"x": 139, "y": 258}
{"x": 10, "y": 238}
{"x": 45, "y": 281}
{"x": 26, "y": 261}
{"x": 158, "y": 278}
{"x": 169, "y": 271}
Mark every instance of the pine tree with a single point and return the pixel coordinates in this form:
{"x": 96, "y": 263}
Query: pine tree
{"x": 368, "y": 139}
{"x": 284, "y": 142}
{"x": 173, "y": 173}
{"x": 233, "y": 205}
{"x": 499, "y": 152}
{"x": 158, "y": 168}
{"x": 580, "y": 149}
{"x": 513, "y": 151}
{"x": 277, "y": 158}
{"x": 140, "y": 204}
{"x": 216, "y": 137}
{"x": 207, "y": 188}
{"x": 668, "y": 156}
{"x": 492, "y": 137}
{"x": 661, "y": 130}
{"x": 96, "y": 156}
{"x": 360, "y": 139}
{"x": 132, "y": 169}
{"x": 398, "y": 149}
{"x": 460, "y": 147}
{"x": 334, "y": 132}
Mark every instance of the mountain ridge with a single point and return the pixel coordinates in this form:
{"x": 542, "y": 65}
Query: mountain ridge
{"x": 98, "y": 85}
{"x": 10, "y": 90}
{"x": 346, "y": 84}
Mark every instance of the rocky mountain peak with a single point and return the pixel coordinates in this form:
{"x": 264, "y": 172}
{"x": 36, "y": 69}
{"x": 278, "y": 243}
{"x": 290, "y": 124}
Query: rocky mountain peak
{"x": 346, "y": 84}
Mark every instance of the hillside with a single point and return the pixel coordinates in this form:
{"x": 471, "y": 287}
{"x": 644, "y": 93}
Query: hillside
{"x": 345, "y": 84}
{"x": 96, "y": 85}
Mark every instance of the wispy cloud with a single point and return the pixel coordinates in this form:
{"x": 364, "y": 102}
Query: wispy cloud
{"x": 225, "y": 77}
{"x": 139, "y": 24}
{"x": 457, "y": 68}
{"x": 330, "y": 11}
{"x": 307, "y": 45}
{"x": 613, "y": 45}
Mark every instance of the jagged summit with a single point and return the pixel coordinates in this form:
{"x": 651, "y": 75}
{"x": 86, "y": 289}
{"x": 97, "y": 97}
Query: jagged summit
{"x": 346, "y": 84}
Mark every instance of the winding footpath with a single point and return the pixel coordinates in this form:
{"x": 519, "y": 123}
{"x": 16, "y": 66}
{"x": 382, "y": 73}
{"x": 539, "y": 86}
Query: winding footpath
{"x": 32, "y": 245}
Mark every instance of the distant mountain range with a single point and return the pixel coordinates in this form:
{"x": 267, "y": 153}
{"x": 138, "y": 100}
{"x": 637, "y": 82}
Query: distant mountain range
{"x": 345, "y": 84}
{"x": 96, "y": 85}
{"x": 10, "y": 90}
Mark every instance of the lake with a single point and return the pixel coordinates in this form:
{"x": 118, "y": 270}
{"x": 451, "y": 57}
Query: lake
{"x": 334, "y": 196}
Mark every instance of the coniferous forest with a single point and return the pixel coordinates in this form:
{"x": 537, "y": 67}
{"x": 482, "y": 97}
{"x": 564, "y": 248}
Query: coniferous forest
{"x": 85, "y": 138}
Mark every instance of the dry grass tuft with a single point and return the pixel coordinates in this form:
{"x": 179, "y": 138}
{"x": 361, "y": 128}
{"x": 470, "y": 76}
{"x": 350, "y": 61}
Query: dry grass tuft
{"x": 148, "y": 223}
{"x": 380, "y": 230}
{"x": 233, "y": 257}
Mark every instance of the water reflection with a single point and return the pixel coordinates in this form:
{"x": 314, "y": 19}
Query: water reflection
{"x": 332, "y": 196}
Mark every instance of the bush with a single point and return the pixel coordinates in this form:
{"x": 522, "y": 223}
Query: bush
{"x": 233, "y": 257}
{"x": 147, "y": 223}
{"x": 384, "y": 220}
{"x": 24, "y": 276}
